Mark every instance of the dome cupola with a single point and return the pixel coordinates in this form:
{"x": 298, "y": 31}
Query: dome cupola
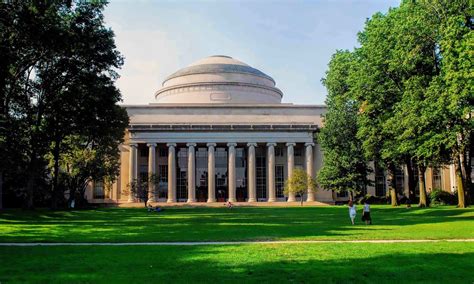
{"x": 219, "y": 79}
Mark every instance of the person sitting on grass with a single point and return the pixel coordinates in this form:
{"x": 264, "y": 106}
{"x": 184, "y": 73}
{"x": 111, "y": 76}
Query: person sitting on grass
{"x": 154, "y": 209}
{"x": 229, "y": 204}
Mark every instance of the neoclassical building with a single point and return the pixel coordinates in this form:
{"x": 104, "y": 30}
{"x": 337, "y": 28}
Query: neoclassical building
{"x": 218, "y": 131}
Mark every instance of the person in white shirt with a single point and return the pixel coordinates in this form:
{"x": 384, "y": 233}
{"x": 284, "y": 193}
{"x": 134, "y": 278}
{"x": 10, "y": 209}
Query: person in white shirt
{"x": 352, "y": 211}
{"x": 366, "y": 214}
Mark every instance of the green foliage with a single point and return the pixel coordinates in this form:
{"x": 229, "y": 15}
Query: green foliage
{"x": 57, "y": 79}
{"x": 412, "y": 80}
{"x": 345, "y": 167}
{"x": 300, "y": 183}
{"x": 441, "y": 197}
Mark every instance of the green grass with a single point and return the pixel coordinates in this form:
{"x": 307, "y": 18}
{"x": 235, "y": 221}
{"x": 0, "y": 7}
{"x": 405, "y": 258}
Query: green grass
{"x": 242, "y": 223}
{"x": 441, "y": 262}
{"x": 301, "y": 263}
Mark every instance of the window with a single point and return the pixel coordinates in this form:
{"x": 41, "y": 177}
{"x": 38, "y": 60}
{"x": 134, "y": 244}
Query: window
{"x": 342, "y": 194}
{"x": 98, "y": 192}
{"x": 163, "y": 173}
{"x": 437, "y": 178}
{"x": 399, "y": 180}
{"x": 278, "y": 152}
{"x": 163, "y": 152}
{"x": 162, "y": 181}
{"x": 261, "y": 171}
{"x": 143, "y": 173}
{"x": 380, "y": 185}
{"x": 298, "y": 152}
{"x": 279, "y": 181}
{"x": 182, "y": 175}
{"x": 143, "y": 152}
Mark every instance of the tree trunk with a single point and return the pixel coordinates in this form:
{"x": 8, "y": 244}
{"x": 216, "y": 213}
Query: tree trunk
{"x": 1, "y": 190}
{"x": 55, "y": 190}
{"x": 30, "y": 185}
{"x": 465, "y": 178}
{"x": 421, "y": 179}
{"x": 301, "y": 199}
{"x": 391, "y": 185}
{"x": 460, "y": 184}
{"x": 411, "y": 179}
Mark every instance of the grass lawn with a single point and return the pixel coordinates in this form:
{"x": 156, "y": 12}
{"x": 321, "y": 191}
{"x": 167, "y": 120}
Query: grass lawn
{"x": 241, "y": 223}
{"x": 300, "y": 263}
{"x": 440, "y": 262}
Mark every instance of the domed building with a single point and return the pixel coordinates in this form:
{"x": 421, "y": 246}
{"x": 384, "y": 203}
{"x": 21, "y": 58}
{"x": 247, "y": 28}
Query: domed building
{"x": 217, "y": 131}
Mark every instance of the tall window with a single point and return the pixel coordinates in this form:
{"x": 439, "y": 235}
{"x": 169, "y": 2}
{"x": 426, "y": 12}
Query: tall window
{"x": 241, "y": 174}
{"x": 182, "y": 174}
{"x": 279, "y": 181}
{"x": 201, "y": 174}
{"x": 163, "y": 152}
{"x": 399, "y": 180}
{"x": 437, "y": 178}
{"x": 143, "y": 174}
{"x": 380, "y": 185}
{"x": 162, "y": 181}
{"x": 98, "y": 192}
{"x": 261, "y": 171}
{"x": 221, "y": 174}
{"x": 278, "y": 151}
{"x": 143, "y": 152}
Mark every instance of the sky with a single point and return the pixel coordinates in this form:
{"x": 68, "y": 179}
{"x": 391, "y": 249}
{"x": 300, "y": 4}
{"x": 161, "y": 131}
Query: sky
{"x": 292, "y": 41}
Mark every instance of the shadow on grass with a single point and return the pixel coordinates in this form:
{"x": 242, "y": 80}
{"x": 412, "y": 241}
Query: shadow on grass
{"x": 236, "y": 264}
{"x": 222, "y": 224}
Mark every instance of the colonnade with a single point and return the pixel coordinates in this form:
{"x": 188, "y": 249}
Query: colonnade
{"x": 231, "y": 150}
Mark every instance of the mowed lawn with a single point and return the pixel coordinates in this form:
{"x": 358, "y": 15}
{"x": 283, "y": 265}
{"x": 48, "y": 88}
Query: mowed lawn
{"x": 251, "y": 263}
{"x": 237, "y": 224}
{"x": 439, "y": 262}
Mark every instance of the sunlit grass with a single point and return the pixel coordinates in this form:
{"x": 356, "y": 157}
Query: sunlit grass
{"x": 222, "y": 224}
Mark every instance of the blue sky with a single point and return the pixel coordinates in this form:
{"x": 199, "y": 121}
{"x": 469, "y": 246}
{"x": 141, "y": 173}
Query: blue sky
{"x": 292, "y": 41}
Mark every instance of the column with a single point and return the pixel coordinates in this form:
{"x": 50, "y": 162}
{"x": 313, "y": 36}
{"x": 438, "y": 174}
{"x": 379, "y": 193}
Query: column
{"x": 151, "y": 172}
{"x": 231, "y": 179}
{"x": 132, "y": 174}
{"x": 452, "y": 178}
{"x": 309, "y": 167}
{"x": 211, "y": 172}
{"x": 191, "y": 172}
{"x": 290, "y": 155}
{"x": 252, "y": 174}
{"x": 271, "y": 171}
{"x": 171, "y": 172}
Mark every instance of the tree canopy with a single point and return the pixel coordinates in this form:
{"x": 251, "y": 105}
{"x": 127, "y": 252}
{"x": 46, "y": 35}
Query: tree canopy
{"x": 58, "y": 92}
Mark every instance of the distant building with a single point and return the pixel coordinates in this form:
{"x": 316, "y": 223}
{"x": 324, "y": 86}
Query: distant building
{"x": 218, "y": 131}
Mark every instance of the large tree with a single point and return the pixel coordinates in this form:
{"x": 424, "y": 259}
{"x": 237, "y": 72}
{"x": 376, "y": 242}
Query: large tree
{"x": 59, "y": 83}
{"x": 345, "y": 167}
{"x": 452, "y": 93}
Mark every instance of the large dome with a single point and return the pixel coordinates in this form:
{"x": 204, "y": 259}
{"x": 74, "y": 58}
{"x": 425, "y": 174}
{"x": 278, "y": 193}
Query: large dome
{"x": 219, "y": 79}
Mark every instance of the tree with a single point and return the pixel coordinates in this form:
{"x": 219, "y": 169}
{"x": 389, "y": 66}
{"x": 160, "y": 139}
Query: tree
{"x": 140, "y": 188}
{"x": 378, "y": 86}
{"x": 59, "y": 83}
{"x": 452, "y": 93}
{"x": 345, "y": 168}
{"x": 299, "y": 183}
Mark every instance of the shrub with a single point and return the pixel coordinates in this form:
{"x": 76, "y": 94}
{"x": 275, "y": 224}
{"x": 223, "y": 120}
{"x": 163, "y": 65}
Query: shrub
{"x": 440, "y": 197}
